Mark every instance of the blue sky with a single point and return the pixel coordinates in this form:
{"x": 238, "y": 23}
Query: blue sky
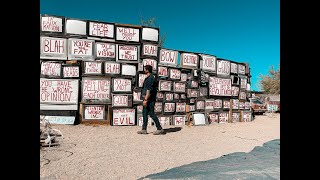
{"x": 237, "y": 30}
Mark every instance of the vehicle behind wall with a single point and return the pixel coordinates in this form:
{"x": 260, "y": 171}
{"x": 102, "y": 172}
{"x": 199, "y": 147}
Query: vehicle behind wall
{"x": 257, "y": 106}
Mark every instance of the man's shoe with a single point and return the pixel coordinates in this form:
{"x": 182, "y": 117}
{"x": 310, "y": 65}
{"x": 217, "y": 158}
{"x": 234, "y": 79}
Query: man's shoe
{"x": 158, "y": 132}
{"x": 142, "y": 132}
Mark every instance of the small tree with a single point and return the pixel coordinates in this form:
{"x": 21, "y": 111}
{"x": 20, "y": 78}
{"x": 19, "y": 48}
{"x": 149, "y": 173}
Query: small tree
{"x": 271, "y": 83}
{"x": 151, "y": 22}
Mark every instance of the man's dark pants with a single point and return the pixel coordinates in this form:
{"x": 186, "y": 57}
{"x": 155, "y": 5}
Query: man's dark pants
{"x": 149, "y": 110}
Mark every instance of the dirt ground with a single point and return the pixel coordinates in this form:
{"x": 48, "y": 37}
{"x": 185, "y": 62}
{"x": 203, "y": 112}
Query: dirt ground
{"x": 118, "y": 152}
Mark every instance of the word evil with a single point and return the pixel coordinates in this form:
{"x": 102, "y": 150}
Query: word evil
{"x": 53, "y": 45}
{"x": 123, "y": 117}
{"x": 52, "y": 24}
{"x": 106, "y": 50}
{"x": 94, "y": 112}
{"x": 71, "y": 71}
{"x": 96, "y": 89}
{"x": 51, "y": 68}
{"x": 81, "y": 47}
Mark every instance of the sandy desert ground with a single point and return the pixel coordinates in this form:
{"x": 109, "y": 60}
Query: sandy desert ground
{"x": 118, "y": 152}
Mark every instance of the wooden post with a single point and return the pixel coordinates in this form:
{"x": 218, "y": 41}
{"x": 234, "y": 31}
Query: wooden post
{"x": 230, "y": 112}
{"x": 109, "y": 115}
{"x": 241, "y": 115}
{"x": 189, "y": 115}
{"x": 80, "y": 112}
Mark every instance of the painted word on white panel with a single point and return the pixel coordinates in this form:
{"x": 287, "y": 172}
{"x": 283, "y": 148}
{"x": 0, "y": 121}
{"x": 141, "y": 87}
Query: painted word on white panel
{"x": 235, "y": 90}
{"x": 127, "y": 34}
{"x": 235, "y": 103}
{"x": 243, "y": 83}
{"x": 241, "y": 69}
{"x": 168, "y": 57}
{"x": 226, "y": 104}
{"x": 165, "y": 85}
{"x": 200, "y": 105}
{"x": 93, "y": 67}
{"x": 136, "y": 96}
{"x": 179, "y": 120}
{"x": 235, "y": 117}
{"x": 163, "y": 71}
{"x": 223, "y": 117}
{"x": 141, "y": 79}
{"x": 121, "y": 85}
{"x": 51, "y": 68}
{"x": 169, "y": 107}
{"x": 180, "y": 107}
{"x": 174, "y": 74}
{"x": 179, "y": 87}
{"x": 223, "y": 67}
{"x": 94, "y": 112}
{"x": 150, "y": 62}
{"x": 150, "y": 34}
{"x": 219, "y": 86}
{"x": 218, "y": 103}
{"x": 127, "y": 53}
{"x": 209, "y": 104}
{"x": 77, "y": 27}
{"x": 53, "y": 48}
{"x": 128, "y": 70}
{"x": 123, "y": 117}
{"x": 234, "y": 68}
{"x": 59, "y": 91}
{"x": 80, "y": 49}
{"x": 105, "y": 50}
{"x": 111, "y": 68}
{"x": 213, "y": 118}
{"x": 96, "y": 89}
{"x": 246, "y": 116}
{"x": 60, "y": 119}
{"x": 164, "y": 120}
{"x": 51, "y": 24}
{"x": 99, "y": 29}
{"x": 168, "y": 97}
{"x": 241, "y": 105}
{"x": 184, "y": 77}
{"x": 150, "y": 50}
{"x": 189, "y": 60}
{"x": 208, "y": 63}
{"x": 121, "y": 100}
{"x": 70, "y": 71}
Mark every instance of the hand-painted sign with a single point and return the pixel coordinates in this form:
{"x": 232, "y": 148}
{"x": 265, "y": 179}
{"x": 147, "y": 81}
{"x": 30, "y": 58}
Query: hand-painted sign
{"x": 234, "y": 68}
{"x": 208, "y": 63}
{"x": 168, "y": 57}
{"x": 51, "y": 69}
{"x": 226, "y": 104}
{"x": 209, "y": 104}
{"x": 127, "y": 34}
{"x": 165, "y": 85}
{"x": 96, "y": 89}
{"x": 53, "y": 48}
{"x": 121, "y": 100}
{"x": 52, "y": 24}
{"x": 241, "y": 69}
{"x": 150, "y": 50}
{"x": 121, "y": 85}
{"x": 94, "y": 112}
{"x": 127, "y": 53}
{"x": 180, "y": 107}
{"x": 151, "y": 62}
{"x": 213, "y": 118}
{"x": 223, "y": 67}
{"x": 123, "y": 117}
{"x": 70, "y": 71}
{"x": 80, "y": 49}
{"x": 105, "y": 50}
{"x": 235, "y": 103}
{"x": 163, "y": 71}
{"x": 169, "y": 107}
{"x": 219, "y": 86}
{"x": 223, "y": 117}
{"x": 94, "y": 68}
{"x": 174, "y": 74}
{"x": 179, "y": 87}
{"x": 189, "y": 60}
{"x": 218, "y": 103}
{"x": 101, "y": 29}
{"x": 179, "y": 120}
{"x": 111, "y": 68}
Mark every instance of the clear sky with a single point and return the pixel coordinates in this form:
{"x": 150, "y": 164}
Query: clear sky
{"x": 237, "y": 30}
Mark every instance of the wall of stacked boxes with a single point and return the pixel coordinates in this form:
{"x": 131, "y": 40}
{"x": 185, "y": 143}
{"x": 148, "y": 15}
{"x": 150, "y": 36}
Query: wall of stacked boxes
{"x": 92, "y": 72}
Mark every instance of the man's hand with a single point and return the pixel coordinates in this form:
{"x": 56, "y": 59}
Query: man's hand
{"x": 145, "y": 103}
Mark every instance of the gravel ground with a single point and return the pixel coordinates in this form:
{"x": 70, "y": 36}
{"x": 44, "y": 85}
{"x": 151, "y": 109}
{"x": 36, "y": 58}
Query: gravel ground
{"x": 118, "y": 152}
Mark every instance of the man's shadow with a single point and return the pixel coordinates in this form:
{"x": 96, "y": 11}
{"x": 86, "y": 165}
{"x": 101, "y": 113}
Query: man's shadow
{"x": 173, "y": 129}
